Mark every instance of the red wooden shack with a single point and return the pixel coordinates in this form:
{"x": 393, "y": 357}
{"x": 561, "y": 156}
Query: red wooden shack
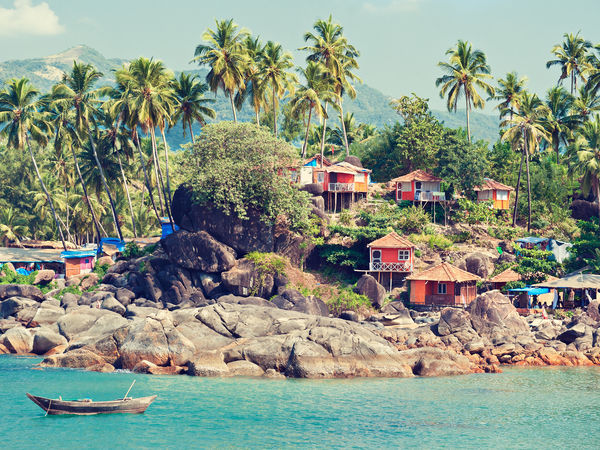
{"x": 500, "y": 280}
{"x": 418, "y": 186}
{"x": 391, "y": 258}
{"x": 493, "y": 190}
{"x": 342, "y": 184}
{"x": 443, "y": 285}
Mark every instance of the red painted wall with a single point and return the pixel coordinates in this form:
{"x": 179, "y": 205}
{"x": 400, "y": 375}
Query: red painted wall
{"x": 390, "y": 255}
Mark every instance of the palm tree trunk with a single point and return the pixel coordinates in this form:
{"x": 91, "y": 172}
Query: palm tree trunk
{"x": 256, "y": 111}
{"x": 306, "y": 134}
{"x": 155, "y": 165}
{"x": 232, "y": 106}
{"x": 343, "y": 127}
{"x": 556, "y": 141}
{"x": 274, "y": 112}
{"x": 468, "y": 121}
{"x": 159, "y": 171}
{"x": 146, "y": 178}
{"x": 37, "y": 172}
{"x": 110, "y": 199}
{"x": 168, "y": 199}
{"x": 87, "y": 199}
{"x": 514, "y": 222}
{"x": 127, "y": 192}
{"x": 528, "y": 188}
{"x": 192, "y": 134}
{"x": 323, "y": 136}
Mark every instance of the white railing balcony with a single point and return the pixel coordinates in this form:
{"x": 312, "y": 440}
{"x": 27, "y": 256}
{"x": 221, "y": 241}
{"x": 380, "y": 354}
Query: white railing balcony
{"x": 430, "y": 196}
{"x": 400, "y": 266}
{"x": 341, "y": 187}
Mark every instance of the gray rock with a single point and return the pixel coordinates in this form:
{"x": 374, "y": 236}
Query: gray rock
{"x": 208, "y": 364}
{"x": 125, "y": 296}
{"x": 21, "y": 290}
{"x": 369, "y": 287}
{"x": 243, "y": 368}
{"x": 47, "y": 314}
{"x": 17, "y": 340}
{"x": 245, "y": 280}
{"x": 256, "y": 301}
{"x": 293, "y": 300}
{"x": 21, "y": 308}
{"x": 198, "y": 251}
{"x": 112, "y": 304}
{"x": 45, "y": 340}
{"x": 44, "y": 276}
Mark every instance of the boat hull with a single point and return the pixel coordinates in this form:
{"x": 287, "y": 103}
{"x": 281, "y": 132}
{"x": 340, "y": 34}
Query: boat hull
{"x": 87, "y": 408}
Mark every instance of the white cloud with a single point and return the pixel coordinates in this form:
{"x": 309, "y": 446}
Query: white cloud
{"x": 391, "y": 6}
{"x": 25, "y": 18}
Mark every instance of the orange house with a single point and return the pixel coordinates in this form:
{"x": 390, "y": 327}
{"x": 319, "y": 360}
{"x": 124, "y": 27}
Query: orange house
{"x": 78, "y": 261}
{"x": 390, "y": 259}
{"x": 443, "y": 285}
{"x": 419, "y": 186}
{"x": 343, "y": 183}
{"x": 497, "y": 192}
{"x": 502, "y": 278}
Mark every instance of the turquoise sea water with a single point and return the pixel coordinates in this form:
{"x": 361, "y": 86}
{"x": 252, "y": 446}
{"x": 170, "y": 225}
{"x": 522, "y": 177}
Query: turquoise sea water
{"x": 521, "y": 408}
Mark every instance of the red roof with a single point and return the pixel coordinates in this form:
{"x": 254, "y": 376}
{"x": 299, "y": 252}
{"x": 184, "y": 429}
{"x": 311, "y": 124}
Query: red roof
{"x": 506, "y": 276}
{"x": 416, "y": 175}
{"x": 444, "y": 272}
{"x": 492, "y": 185}
{"x": 392, "y": 240}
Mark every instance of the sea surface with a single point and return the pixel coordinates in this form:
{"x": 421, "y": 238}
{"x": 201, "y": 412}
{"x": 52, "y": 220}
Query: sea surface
{"x": 520, "y": 408}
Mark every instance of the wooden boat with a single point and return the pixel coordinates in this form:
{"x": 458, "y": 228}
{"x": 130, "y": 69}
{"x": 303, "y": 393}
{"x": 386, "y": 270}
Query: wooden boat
{"x": 88, "y": 407}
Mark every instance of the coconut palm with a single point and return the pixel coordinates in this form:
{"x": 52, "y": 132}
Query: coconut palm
{"x": 509, "y": 94}
{"x": 76, "y": 91}
{"x": 585, "y": 104}
{"x": 572, "y": 58}
{"x": 227, "y": 58}
{"x": 526, "y": 129}
{"x": 274, "y": 65}
{"x": 255, "y": 87}
{"x": 354, "y": 131}
{"x": 12, "y": 226}
{"x": 587, "y": 148}
{"x": 559, "y": 121}
{"x": 329, "y": 46}
{"x": 191, "y": 102}
{"x": 466, "y": 72}
{"x": 310, "y": 96}
{"x": 20, "y": 112}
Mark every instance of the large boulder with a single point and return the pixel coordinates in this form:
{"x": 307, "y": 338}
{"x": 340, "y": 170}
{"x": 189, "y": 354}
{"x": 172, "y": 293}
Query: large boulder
{"x": 293, "y": 300}
{"x": 45, "y": 340}
{"x": 256, "y": 301}
{"x": 246, "y": 280}
{"x": 112, "y": 304}
{"x": 208, "y": 364}
{"x": 90, "y": 322}
{"x": 17, "y": 340}
{"x": 198, "y": 251}
{"x": 435, "y": 362}
{"x": 145, "y": 340}
{"x": 354, "y": 160}
{"x": 105, "y": 261}
{"x": 21, "y": 308}
{"x": 47, "y": 314}
{"x": 89, "y": 280}
{"x": 44, "y": 276}
{"x": 21, "y": 290}
{"x": 243, "y": 235}
{"x": 369, "y": 287}
{"x": 313, "y": 188}
{"x": 477, "y": 263}
{"x": 77, "y": 358}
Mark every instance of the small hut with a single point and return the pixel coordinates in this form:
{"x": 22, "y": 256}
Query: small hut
{"x": 343, "y": 184}
{"x": 78, "y": 261}
{"x": 27, "y": 260}
{"x": 443, "y": 285}
{"x": 419, "y": 186}
{"x": 493, "y": 190}
{"x": 500, "y": 280}
{"x": 391, "y": 258}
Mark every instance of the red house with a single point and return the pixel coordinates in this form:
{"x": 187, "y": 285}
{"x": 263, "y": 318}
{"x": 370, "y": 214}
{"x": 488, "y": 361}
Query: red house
{"x": 500, "y": 280}
{"x": 443, "y": 285}
{"x": 418, "y": 186}
{"x": 342, "y": 184}
{"x": 390, "y": 259}
{"x": 78, "y": 261}
{"x": 497, "y": 192}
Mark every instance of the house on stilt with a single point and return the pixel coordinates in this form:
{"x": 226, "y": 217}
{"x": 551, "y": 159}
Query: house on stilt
{"x": 419, "y": 186}
{"x": 497, "y": 192}
{"x": 343, "y": 184}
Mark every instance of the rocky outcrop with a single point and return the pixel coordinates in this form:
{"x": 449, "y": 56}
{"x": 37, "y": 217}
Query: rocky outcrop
{"x": 293, "y": 300}
{"x": 21, "y": 290}
{"x": 245, "y": 279}
{"x": 44, "y": 276}
{"x": 198, "y": 251}
{"x": 478, "y": 263}
{"x": 17, "y": 340}
{"x": 369, "y": 287}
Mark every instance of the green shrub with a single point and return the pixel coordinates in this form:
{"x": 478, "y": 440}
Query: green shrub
{"x": 268, "y": 262}
{"x": 11, "y": 277}
{"x": 345, "y": 217}
{"x": 69, "y": 290}
{"x": 475, "y": 212}
{"x": 439, "y": 242}
{"x": 348, "y": 300}
{"x": 100, "y": 270}
{"x": 132, "y": 251}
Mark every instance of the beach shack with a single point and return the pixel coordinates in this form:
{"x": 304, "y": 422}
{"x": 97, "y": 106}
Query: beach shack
{"x": 419, "y": 186}
{"x": 587, "y": 285}
{"x": 391, "y": 259}
{"x": 78, "y": 261}
{"x": 27, "y": 260}
{"x": 443, "y": 285}
{"x": 500, "y": 280}
{"x": 302, "y": 173}
{"x": 343, "y": 184}
{"x": 497, "y": 192}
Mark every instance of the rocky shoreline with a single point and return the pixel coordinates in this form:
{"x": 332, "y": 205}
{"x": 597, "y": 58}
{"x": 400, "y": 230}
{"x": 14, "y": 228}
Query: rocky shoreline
{"x": 250, "y": 336}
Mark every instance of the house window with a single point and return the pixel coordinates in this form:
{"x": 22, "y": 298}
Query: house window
{"x": 359, "y": 177}
{"x": 418, "y": 185}
{"x": 294, "y": 176}
{"x": 87, "y": 261}
{"x": 501, "y": 195}
{"x": 376, "y": 255}
{"x": 403, "y": 255}
{"x": 485, "y": 195}
{"x": 320, "y": 177}
{"x": 441, "y": 288}
{"x": 405, "y": 187}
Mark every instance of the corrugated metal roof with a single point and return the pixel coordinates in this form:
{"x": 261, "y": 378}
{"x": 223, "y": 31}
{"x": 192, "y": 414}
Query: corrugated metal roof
{"x": 29, "y": 255}
{"x": 444, "y": 272}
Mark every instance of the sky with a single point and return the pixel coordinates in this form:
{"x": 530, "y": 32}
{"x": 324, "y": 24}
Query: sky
{"x": 401, "y": 41}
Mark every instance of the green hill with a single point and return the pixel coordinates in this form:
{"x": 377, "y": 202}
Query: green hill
{"x": 370, "y": 106}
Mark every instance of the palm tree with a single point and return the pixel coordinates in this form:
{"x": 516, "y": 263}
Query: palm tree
{"x": 12, "y": 226}
{"x": 509, "y": 93}
{"x": 255, "y": 86}
{"x": 466, "y": 71}
{"x": 587, "y": 147}
{"x": 274, "y": 65}
{"x": 354, "y": 131}
{"x": 191, "y": 103}
{"x": 329, "y": 46}
{"x": 559, "y": 121}
{"x": 227, "y": 58}
{"x": 66, "y": 134}
{"x": 76, "y": 92}
{"x": 585, "y": 104}
{"x": 149, "y": 101}
{"x": 309, "y": 96}
{"x": 19, "y": 110}
{"x": 572, "y": 57}
{"x": 526, "y": 129}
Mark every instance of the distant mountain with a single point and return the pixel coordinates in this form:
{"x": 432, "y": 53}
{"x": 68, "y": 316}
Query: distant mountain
{"x": 370, "y": 106}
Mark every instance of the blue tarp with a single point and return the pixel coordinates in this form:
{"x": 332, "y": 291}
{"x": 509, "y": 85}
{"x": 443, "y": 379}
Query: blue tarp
{"x": 532, "y": 240}
{"x": 77, "y": 254}
{"x": 116, "y": 242}
{"x": 166, "y": 227}
{"x": 531, "y": 290}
